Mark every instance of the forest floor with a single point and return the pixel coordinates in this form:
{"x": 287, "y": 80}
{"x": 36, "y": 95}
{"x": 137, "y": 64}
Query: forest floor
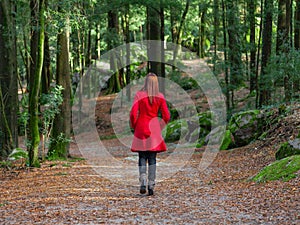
{"x": 71, "y": 192}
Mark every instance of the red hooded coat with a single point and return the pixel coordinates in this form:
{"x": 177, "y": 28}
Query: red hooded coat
{"x": 146, "y": 123}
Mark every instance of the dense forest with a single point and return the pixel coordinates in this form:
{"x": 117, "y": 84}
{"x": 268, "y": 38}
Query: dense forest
{"x": 46, "y": 44}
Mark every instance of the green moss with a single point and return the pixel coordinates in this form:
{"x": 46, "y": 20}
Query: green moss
{"x": 227, "y": 141}
{"x": 286, "y": 150}
{"x": 284, "y": 170}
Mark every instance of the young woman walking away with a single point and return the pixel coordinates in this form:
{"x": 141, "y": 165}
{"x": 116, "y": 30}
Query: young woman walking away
{"x": 147, "y": 140}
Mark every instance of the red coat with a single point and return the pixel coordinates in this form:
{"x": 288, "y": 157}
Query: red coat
{"x": 146, "y": 124}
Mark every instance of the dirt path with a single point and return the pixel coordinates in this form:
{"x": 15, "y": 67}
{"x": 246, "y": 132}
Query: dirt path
{"x": 71, "y": 192}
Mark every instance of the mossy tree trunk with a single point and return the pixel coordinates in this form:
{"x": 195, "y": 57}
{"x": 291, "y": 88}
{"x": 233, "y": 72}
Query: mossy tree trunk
{"x": 59, "y": 147}
{"x": 35, "y": 84}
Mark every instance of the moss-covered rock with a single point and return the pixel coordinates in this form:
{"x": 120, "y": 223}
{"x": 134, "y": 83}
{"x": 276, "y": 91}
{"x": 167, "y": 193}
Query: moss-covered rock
{"x": 288, "y": 148}
{"x": 227, "y": 141}
{"x": 175, "y": 130}
{"x": 284, "y": 169}
{"x": 246, "y": 126}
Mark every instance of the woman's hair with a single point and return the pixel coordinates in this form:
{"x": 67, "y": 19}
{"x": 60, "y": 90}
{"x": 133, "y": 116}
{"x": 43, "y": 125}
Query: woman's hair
{"x": 151, "y": 86}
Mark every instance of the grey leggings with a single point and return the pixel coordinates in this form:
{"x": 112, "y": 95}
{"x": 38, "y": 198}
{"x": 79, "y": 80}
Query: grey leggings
{"x": 150, "y": 157}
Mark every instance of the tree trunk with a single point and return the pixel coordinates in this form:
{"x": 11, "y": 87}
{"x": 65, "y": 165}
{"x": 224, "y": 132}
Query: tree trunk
{"x": 162, "y": 48}
{"x": 59, "y": 148}
{"x": 264, "y": 95}
{"x": 88, "y": 59}
{"x": 8, "y": 79}
{"x": 297, "y": 39}
{"x": 127, "y": 40}
{"x": 178, "y": 37}
{"x": 227, "y": 94}
{"x": 283, "y": 26}
{"x": 216, "y": 30}
{"x": 113, "y": 29}
{"x": 154, "y": 51}
{"x": 46, "y": 73}
{"x": 252, "y": 4}
{"x": 202, "y": 16}
{"x": 234, "y": 52}
{"x": 297, "y": 26}
{"x": 34, "y": 134}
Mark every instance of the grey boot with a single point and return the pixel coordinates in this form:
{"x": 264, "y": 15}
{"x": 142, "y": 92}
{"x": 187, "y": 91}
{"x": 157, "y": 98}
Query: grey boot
{"x": 143, "y": 183}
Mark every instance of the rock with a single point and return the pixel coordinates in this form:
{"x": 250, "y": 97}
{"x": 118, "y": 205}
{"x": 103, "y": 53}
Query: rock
{"x": 175, "y": 130}
{"x": 288, "y": 148}
{"x": 246, "y": 126}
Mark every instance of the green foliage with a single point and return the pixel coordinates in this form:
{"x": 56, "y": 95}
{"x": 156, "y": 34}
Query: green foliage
{"x": 282, "y": 70}
{"x": 175, "y": 129}
{"x": 284, "y": 169}
{"x": 17, "y": 154}
{"x": 23, "y": 116}
{"x": 17, "y": 159}
{"x": 60, "y": 150}
{"x": 50, "y": 104}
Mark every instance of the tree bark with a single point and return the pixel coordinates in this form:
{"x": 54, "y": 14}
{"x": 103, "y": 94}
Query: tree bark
{"x": 283, "y": 26}
{"x": 8, "y": 79}
{"x": 264, "y": 95}
{"x": 227, "y": 94}
{"x": 234, "y": 52}
{"x": 297, "y": 26}
{"x": 59, "y": 148}
{"x": 252, "y": 4}
{"x": 34, "y": 134}
{"x": 154, "y": 51}
{"x": 113, "y": 29}
{"x": 216, "y": 30}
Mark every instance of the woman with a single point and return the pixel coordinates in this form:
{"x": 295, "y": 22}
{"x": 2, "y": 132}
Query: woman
{"x": 148, "y": 141}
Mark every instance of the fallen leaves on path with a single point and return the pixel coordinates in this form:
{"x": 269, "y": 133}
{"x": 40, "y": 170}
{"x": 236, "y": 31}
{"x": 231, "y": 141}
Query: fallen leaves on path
{"x": 70, "y": 192}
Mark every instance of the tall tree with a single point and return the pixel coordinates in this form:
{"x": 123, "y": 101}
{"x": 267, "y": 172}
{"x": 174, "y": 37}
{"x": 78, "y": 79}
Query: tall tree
{"x": 62, "y": 124}
{"x": 177, "y": 26}
{"x": 46, "y": 73}
{"x": 234, "y": 51}
{"x": 297, "y": 37}
{"x": 153, "y": 31}
{"x": 252, "y": 4}
{"x": 283, "y": 39}
{"x": 227, "y": 94}
{"x": 113, "y": 30}
{"x": 283, "y": 26}
{"x": 8, "y": 78}
{"x": 35, "y": 83}
{"x": 264, "y": 95}
{"x": 297, "y": 26}
{"x": 203, "y": 7}
{"x": 216, "y": 14}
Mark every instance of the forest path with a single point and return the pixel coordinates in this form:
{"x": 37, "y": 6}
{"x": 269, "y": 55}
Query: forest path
{"x": 71, "y": 192}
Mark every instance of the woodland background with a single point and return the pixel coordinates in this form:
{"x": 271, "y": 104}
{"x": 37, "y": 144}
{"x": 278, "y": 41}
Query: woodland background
{"x": 46, "y": 45}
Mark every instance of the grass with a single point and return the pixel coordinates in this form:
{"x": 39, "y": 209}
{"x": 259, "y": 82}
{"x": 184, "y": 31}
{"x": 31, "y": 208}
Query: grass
{"x": 284, "y": 169}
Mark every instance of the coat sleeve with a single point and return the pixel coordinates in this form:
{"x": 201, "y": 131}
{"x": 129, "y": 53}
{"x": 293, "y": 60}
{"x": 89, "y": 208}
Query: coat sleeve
{"x": 134, "y": 112}
{"x": 165, "y": 113}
